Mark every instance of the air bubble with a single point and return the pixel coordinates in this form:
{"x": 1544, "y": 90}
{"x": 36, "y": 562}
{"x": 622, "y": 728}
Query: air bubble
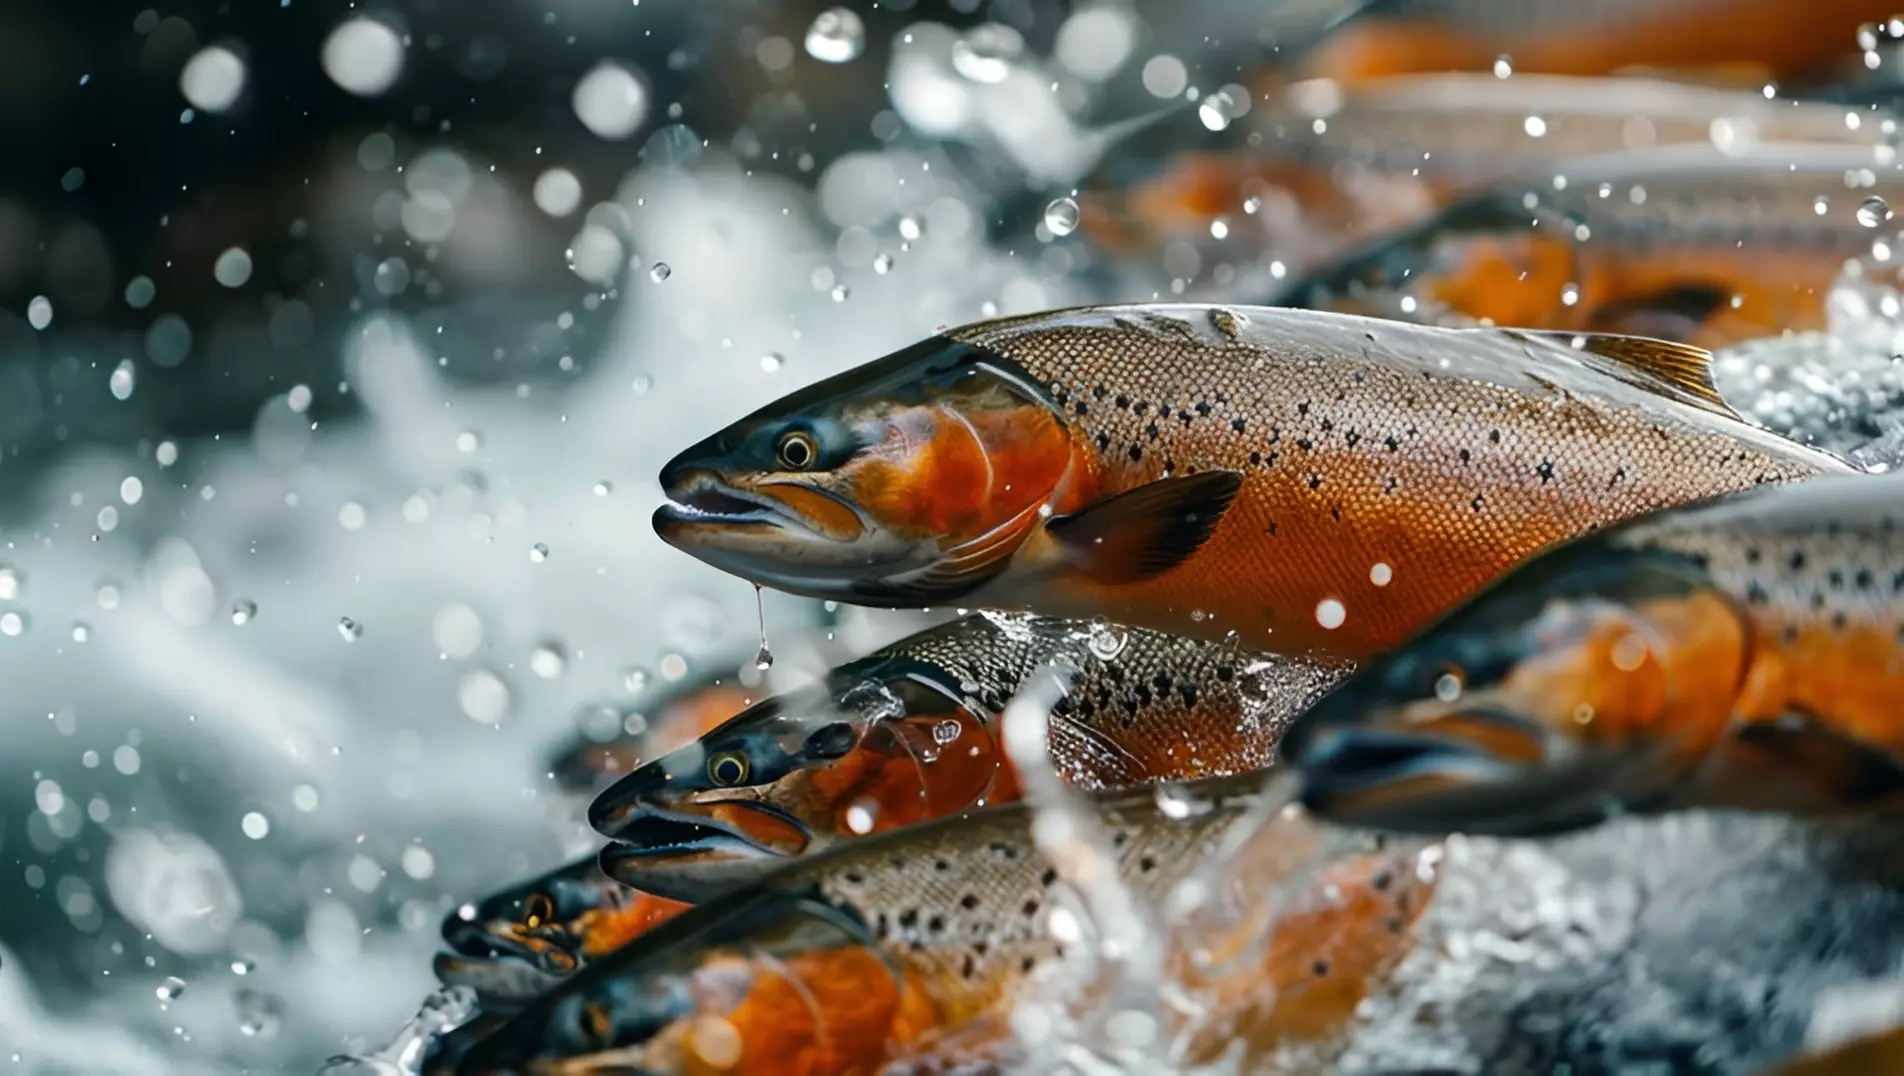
{"x": 660, "y": 272}
{"x": 1873, "y": 211}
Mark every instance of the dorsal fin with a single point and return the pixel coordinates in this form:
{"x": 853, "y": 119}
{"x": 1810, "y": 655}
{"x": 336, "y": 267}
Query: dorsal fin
{"x": 1683, "y": 367}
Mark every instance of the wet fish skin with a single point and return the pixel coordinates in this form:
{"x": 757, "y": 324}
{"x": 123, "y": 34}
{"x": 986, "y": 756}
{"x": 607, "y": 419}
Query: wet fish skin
{"x": 518, "y": 941}
{"x": 933, "y": 928}
{"x": 1744, "y": 653}
{"x": 1707, "y": 246}
{"x": 1753, "y": 40}
{"x": 911, "y": 733}
{"x": 1205, "y": 469}
{"x": 1867, "y": 1055}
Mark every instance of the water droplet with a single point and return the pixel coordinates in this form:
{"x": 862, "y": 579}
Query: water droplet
{"x": 1448, "y": 686}
{"x": 12, "y": 583}
{"x": 1330, "y": 613}
{"x": 1107, "y": 641}
{"x": 610, "y": 100}
{"x": 840, "y": 292}
{"x": 660, "y": 272}
{"x": 243, "y": 965}
{"x": 171, "y": 989}
{"x": 986, "y": 53}
{"x": 233, "y": 267}
{"x": 861, "y": 816}
{"x": 1061, "y": 216}
{"x": 883, "y": 264}
{"x": 1217, "y": 111}
{"x": 213, "y": 79}
{"x": 363, "y": 56}
{"x": 483, "y": 696}
{"x": 557, "y": 192}
{"x": 604, "y": 488}
{"x": 1381, "y": 574}
{"x": 255, "y": 825}
{"x": 1873, "y": 211}
{"x": 836, "y": 36}
{"x": 349, "y": 629}
{"x": 81, "y": 631}
{"x": 910, "y": 228}
{"x": 1535, "y": 127}
{"x": 772, "y": 361}
{"x": 946, "y": 732}
{"x": 763, "y": 658}
{"x": 122, "y": 380}
{"x": 39, "y": 312}
{"x": 260, "y": 1015}
{"x": 634, "y": 678}
{"x": 548, "y": 660}
{"x": 1503, "y": 67}
{"x": 1176, "y": 802}
{"x": 13, "y": 623}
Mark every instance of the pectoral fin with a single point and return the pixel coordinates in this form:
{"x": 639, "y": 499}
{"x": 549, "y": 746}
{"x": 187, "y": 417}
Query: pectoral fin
{"x": 1144, "y": 532}
{"x": 1795, "y": 764}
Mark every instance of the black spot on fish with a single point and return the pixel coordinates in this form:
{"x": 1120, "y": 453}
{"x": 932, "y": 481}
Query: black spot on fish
{"x": 1466, "y": 456}
{"x": 1755, "y": 594}
{"x": 1163, "y": 411}
{"x": 981, "y": 946}
{"x": 1030, "y": 908}
{"x": 1079, "y": 407}
{"x": 1351, "y": 438}
{"x": 1048, "y": 877}
{"x": 1545, "y": 471}
{"x": 1122, "y": 402}
{"x": 1146, "y": 864}
{"x": 1381, "y": 880}
{"x": 1838, "y": 621}
{"x": 1315, "y": 480}
{"x": 1226, "y": 673}
{"x": 1136, "y": 453}
{"x": 1862, "y": 580}
{"x": 1476, "y": 502}
{"x": 1797, "y": 560}
{"x": 1302, "y": 408}
{"x": 1161, "y": 682}
{"x": 854, "y": 878}
{"x": 1327, "y": 425}
{"x": 1025, "y": 965}
{"x": 1305, "y": 444}
{"x": 1103, "y": 442}
{"x": 941, "y": 865}
{"x": 1494, "y": 436}
{"x": 1256, "y": 459}
{"x": 968, "y": 902}
{"x": 1753, "y": 554}
{"x": 1098, "y": 392}
{"x": 909, "y": 918}
{"x": 1139, "y": 407}
{"x": 1188, "y": 693}
{"x": 1391, "y": 443}
{"x": 1321, "y": 968}
{"x": 1237, "y": 424}
{"x": 967, "y": 966}
{"x": 1835, "y": 579}
{"x": 1000, "y": 848}
{"x": 1790, "y": 634}
{"x": 1151, "y": 430}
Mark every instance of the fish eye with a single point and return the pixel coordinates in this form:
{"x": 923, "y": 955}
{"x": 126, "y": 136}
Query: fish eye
{"x": 797, "y": 450}
{"x": 537, "y": 910}
{"x": 728, "y": 768}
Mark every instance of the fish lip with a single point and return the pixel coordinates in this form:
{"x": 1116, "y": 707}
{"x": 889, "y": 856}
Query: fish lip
{"x": 659, "y": 817}
{"x": 701, "y": 498}
{"x": 499, "y": 977}
{"x": 472, "y": 939}
{"x": 679, "y": 868}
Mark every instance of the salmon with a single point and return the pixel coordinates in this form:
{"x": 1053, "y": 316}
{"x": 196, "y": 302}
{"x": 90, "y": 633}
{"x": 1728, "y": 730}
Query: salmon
{"x": 1869, "y": 1055}
{"x": 1696, "y": 244}
{"x": 906, "y": 950}
{"x": 1747, "y": 41}
{"x": 517, "y": 942}
{"x": 1317, "y": 168}
{"x": 911, "y": 733}
{"x": 1744, "y": 653}
{"x": 1317, "y": 484}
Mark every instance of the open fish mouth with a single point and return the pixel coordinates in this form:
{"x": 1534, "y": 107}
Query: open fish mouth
{"x": 1441, "y": 784}
{"x": 685, "y": 851}
{"x": 702, "y": 499}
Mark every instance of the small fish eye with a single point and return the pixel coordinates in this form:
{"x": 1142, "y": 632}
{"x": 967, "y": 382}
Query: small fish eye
{"x": 797, "y": 450}
{"x": 537, "y": 910}
{"x": 727, "y": 769}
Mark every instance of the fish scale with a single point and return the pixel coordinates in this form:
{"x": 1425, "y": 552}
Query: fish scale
{"x": 1444, "y": 456}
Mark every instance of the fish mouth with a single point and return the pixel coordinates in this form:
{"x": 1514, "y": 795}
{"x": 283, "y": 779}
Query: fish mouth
{"x": 498, "y": 980}
{"x": 686, "y": 851}
{"x": 700, "y": 499}
{"x": 1422, "y": 783}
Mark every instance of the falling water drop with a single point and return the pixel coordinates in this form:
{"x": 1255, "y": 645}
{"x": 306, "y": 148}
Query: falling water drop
{"x": 1217, "y": 111}
{"x": 634, "y": 679}
{"x": 170, "y": 989}
{"x": 772, "y": 361}
{"x": 763, "y": 658}
{"x": 840, "y": 292}
{"x": 660, "y": 272}
{"x": 242, "y": 611}
{"x": 1061, "y": 216}
{"x": 883, "y": 264}
{"x": 549, "y": 660}
{"x": 987, "y": 52}
{"x": 1107, "y": 641}
{"x": 538, "y": 553}
{"x": 349, "y": 629}
{"x": 910, "y": 228}
{"x": 260, "y": 1015}
{"x": 1873, "y": 211}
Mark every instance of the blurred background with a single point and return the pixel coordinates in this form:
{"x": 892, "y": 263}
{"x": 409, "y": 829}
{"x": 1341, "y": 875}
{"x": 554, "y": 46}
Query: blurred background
{"x": 340, "y": 344}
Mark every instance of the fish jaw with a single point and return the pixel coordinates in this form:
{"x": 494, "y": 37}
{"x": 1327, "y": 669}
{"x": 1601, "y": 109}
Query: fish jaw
{"x": 502, "y": 982}
{"x": 1599, "y": 689}
{"x": 692, "y": 847}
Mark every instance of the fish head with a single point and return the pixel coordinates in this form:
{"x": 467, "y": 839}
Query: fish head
{"x": 1589, "y": 682}
{"x": 882, "y": 743}
{"x": 676, "y": 719}
{"x": 546, "y": 924}
{"x": 713, "y": 983}
{"x": 908, "y": 481}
